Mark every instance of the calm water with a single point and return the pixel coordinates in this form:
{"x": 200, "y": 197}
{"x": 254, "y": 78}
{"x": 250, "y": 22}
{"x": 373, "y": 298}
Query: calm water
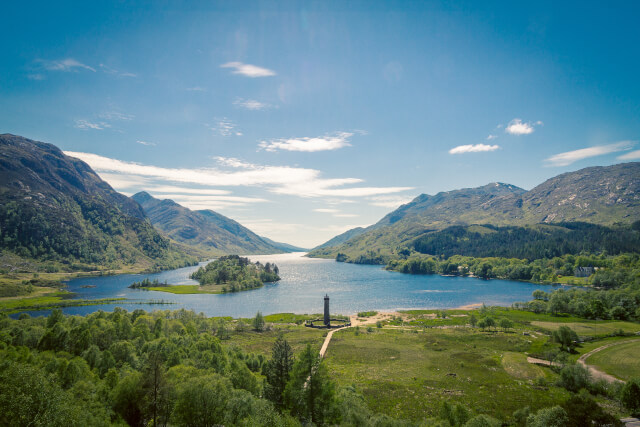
{"x": 304, "y": 283}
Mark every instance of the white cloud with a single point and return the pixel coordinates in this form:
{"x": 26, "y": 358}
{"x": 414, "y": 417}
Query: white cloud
{"x": 286, "y": 180}
{"x": 490, "y": 137}
{"x": 324, "y": 210}
{"x": 389, "y": 201}
{"x": 187, "y": 190}
{"x": 475, "y": 148}
{"x": 196, "y": 89}
{"x": 518, "y": 127}
{"x": 146, "y": 143}
{"x": 251, "y": 104}
{"x": 225, "y": 127}
{"x": 633, "y": 155}
{"x": 321, "y": 143}
{"x": 232, "y": 162}
{"x": 66, "y": 65}
{"x": 85, "y": 124}
{"x": 569, "y": 157}
{"x": 345, "y": 215}
{"x": 248, "y": 69}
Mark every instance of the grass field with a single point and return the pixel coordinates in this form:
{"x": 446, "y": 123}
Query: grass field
{"x": 516, "y": 365}
{"x": 591, "y": 328}
{"x": 262, "y": 342}
{"x": 48, "y": 300}
{"x": 408, "y": 374}
{"x": 620, "y": 360}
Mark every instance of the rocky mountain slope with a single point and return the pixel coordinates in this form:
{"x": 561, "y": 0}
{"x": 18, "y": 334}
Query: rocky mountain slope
{"x": 56, "y": 208}
{"x": 598, "y": 195}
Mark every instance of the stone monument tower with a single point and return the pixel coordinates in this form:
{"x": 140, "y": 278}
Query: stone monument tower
{"x": 327, "y": 317}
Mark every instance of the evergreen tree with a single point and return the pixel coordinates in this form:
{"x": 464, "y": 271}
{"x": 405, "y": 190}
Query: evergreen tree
{"x": 309, "y": 393}
{"x": 258, "y": 322}
{"x": 277, "y": 371}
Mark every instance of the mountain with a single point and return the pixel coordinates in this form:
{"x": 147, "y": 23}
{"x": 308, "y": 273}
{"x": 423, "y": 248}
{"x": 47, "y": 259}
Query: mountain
{"x": 205, "y": 229}
{"x": 599, "y": 195}
{"x": 341, "y": 238}
{"x": 285, "y": 247}
{"x": 55, "y": 208}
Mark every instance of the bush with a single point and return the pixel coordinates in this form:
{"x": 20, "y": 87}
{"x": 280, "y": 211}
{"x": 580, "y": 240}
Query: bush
{"x": 630, "y": 396}
{"x": 574, "y": 378}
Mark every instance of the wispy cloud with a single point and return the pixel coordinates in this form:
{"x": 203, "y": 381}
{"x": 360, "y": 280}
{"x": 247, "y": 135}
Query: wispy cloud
{"x": 518, "y": 127}
{"x": 295, "y": 181}
{"x": 110, "y": 70}
{"x": 633, "y": 155}
{"x": 346, "y": 215}
{"x": 569, "y": 157}
{"x": 115, "y": 115}
{"x": 232, "y": 162}
{"x": 147, "y": 143}
{"x": 196, "y": 89}
{"x": 86, "y": 124}
{"x": 389, "y": 201}
{"x": 473, "y": 148}
{"x": 66, "y": 65}
{"x": 491, "y": 136}
{"x": 225, "y": 127}
{"x": 251, "y": 104}
{"x": 326, "y": 210}
{"x": 321, "y": 143}
{"x": 248, "y": 69}
{"x": 170, "y": 189}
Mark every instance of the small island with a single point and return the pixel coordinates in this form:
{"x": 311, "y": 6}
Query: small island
{"x": 146, "y": 284}
{"x": 233, "y": 273}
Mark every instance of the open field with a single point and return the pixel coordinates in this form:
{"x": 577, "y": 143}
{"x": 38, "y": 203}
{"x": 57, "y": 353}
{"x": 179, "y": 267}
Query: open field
{"x": 408, "y": 374}
{"x": 262, "y": 342}
{"x": 619, "y": 360}
{"x": 591, "y": 328}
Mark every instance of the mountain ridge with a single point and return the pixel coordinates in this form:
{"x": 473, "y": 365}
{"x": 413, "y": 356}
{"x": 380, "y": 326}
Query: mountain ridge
{"x": 206, "y": 229}
{"x": 55, "y": 208}
{"x": 602, "y": 195}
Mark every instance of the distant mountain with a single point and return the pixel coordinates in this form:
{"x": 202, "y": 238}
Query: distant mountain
{"x": 56, "y": 208}
{"x": 206, "y": 229}
{"x": 341, "y": 238}
{"x": 598, "y": 195}
{"x": 285, "y": 247}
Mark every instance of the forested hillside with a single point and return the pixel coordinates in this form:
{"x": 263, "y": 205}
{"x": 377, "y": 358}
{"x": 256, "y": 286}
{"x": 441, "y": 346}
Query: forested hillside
{"x": 57, "y": 210}
{"x": 607, "y": 196}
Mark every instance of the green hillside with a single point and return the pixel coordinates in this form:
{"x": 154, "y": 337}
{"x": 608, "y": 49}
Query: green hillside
{"x": 56, "y": 210}
{"x": 599, "y": 195}
{"x": 205, "y": 229}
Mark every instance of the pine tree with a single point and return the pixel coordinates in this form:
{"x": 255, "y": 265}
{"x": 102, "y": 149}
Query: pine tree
{"x": 277, "y": 371}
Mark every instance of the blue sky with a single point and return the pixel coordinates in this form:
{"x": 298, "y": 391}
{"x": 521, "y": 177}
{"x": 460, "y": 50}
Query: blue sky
{"x": 304, "y": 119}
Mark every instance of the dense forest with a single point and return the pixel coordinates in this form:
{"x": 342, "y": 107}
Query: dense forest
{"x": 535, "y": 242}
{"x": 236, "y": 273}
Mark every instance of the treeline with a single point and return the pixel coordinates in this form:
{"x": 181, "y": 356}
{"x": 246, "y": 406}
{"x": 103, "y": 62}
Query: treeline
{"x": 535, "y": 242}
{"x": 617, "y": 304}
{"x": 236, "y": 273}
{"x": 610, "y": 271}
